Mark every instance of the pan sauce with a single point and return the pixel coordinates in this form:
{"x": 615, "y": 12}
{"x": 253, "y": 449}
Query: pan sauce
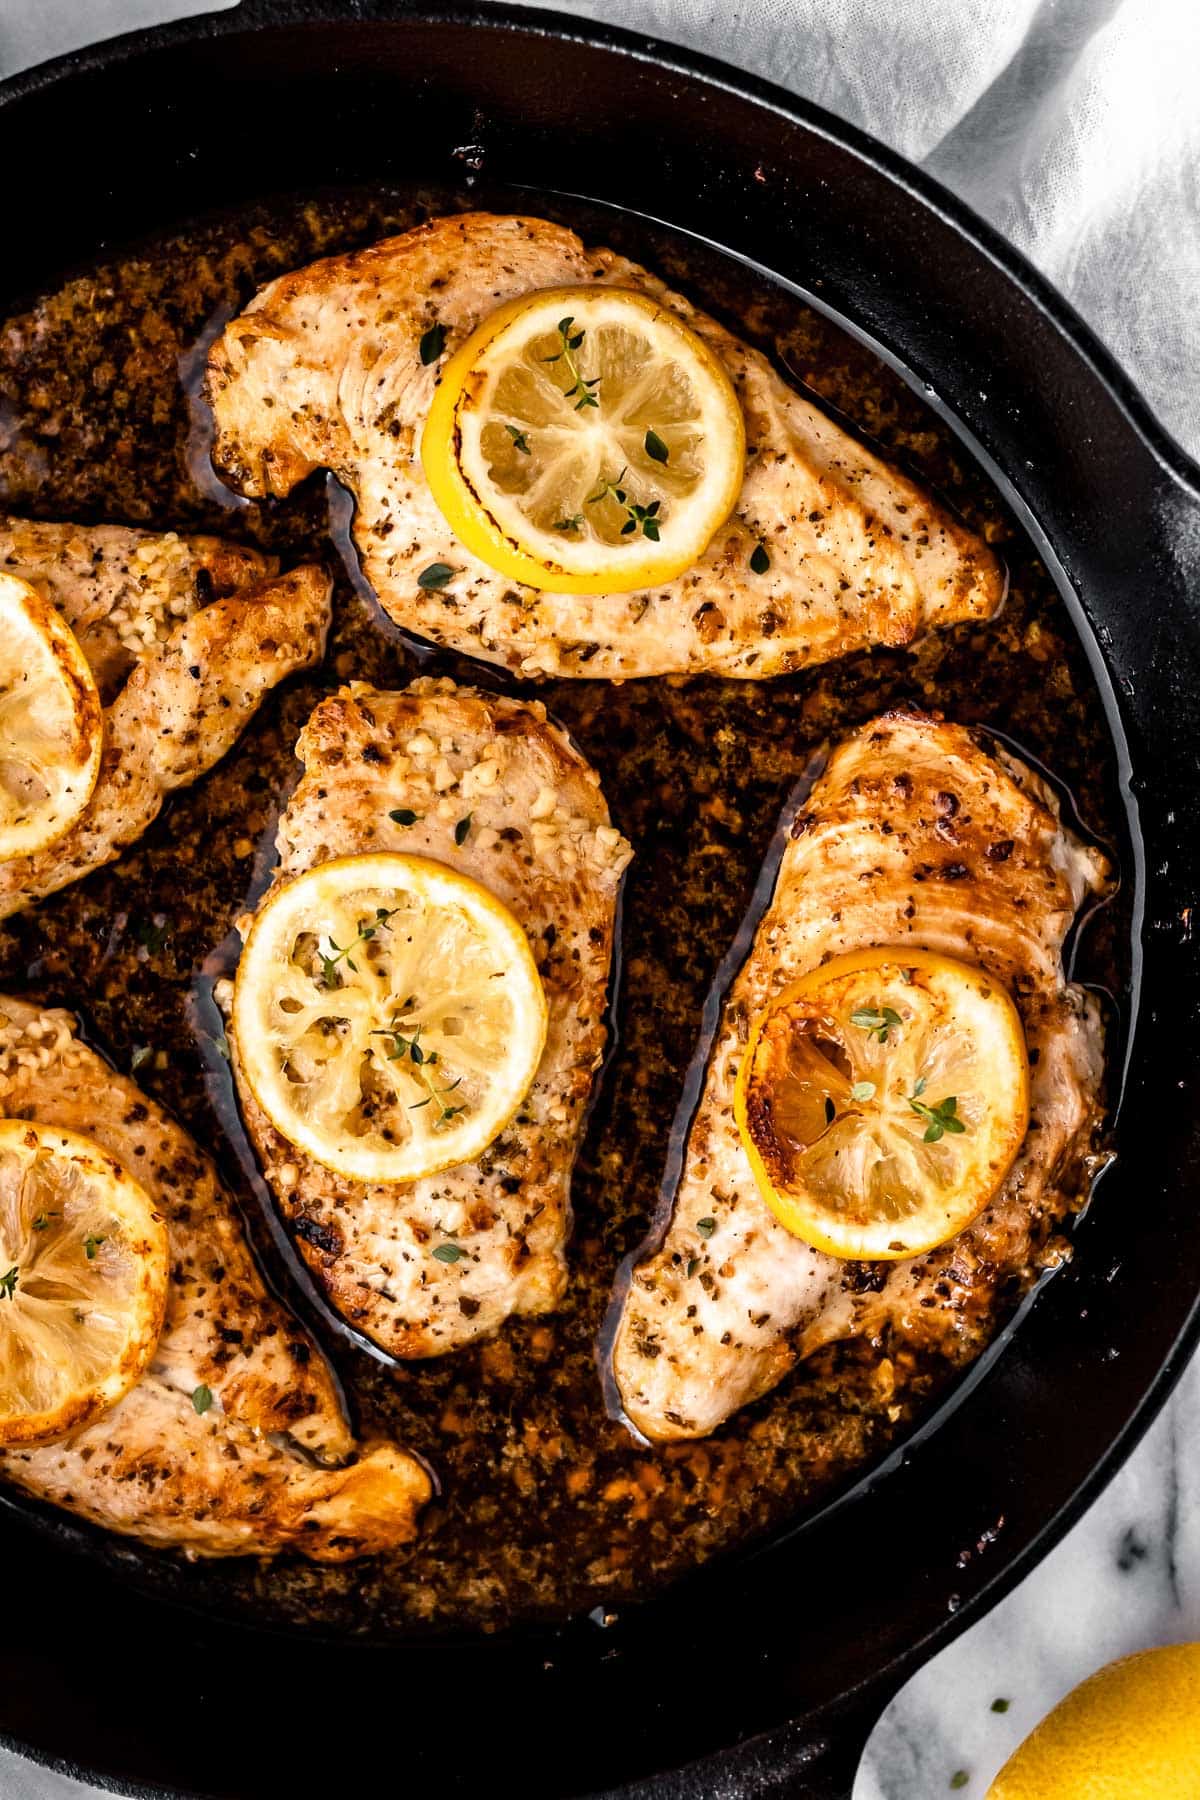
{"x": 548, "y": 1506}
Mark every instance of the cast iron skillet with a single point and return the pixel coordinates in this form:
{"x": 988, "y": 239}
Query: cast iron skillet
{"x": 768, "y": 1672}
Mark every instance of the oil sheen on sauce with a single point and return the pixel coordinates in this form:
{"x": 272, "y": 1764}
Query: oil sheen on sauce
{"x": 548, "y": 1505}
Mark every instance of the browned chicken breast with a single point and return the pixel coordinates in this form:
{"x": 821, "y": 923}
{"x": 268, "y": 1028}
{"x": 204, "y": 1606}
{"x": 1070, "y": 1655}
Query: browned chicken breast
{"x": 323, "y": 370}
{"x": 186, "y": 637}
{"x": 913, "y": 836}
{"x": 270, "y": 1464}
{"x": 400, "y": 772}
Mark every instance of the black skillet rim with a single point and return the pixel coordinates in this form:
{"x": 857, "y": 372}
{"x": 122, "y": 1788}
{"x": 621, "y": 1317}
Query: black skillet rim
{"x": 1101, "y": 366}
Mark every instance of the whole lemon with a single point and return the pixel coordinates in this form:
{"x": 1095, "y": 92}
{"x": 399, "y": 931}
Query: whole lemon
{"x": 1131, "y": 1731}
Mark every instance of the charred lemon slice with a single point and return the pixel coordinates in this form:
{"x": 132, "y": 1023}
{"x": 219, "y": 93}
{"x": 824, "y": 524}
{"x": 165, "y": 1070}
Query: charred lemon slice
{"x": 388, "y": 1016}
{"x": 83, "y": 1281}
{"x": 50, "y": 722}
{"x": 882, "y": 1100}
{"x": 585, "y": 440}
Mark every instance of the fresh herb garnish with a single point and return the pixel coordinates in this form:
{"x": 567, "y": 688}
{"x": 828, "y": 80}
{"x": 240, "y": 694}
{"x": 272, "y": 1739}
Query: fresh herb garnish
{"x": 422, "y": 1060}
{"x": 656, "y": 450}
{"x": 876, "y": 1021}
{"x": 450, "y": 1253}
{"x": 152, "y": 934}
{"x": 571, "y": 524}
{"x": 329, "y": 974}
{"x": 580, "y": 390}
{"x": 463, "y": 829}
{"x": 1001, "y": 1705}
{"x": 520, "y": 441}
{"x": 432, "y": 344}
{"x": 645, "y": 517}
{"x": 863, "y": 1090}
{"x": 940, "y": 1119}
{"x": 959, "y": 1779}
{"x": 8, "y": 1282}
{"x": 693, "y": 1265}
{"x": 404, "y": 815}
{"x": 42, "y": 1222}
{"x": 435, "y": 577}
{"x": 91, "y": 1244}
{"x": 706, "y": 1227}
{"x": 202, "y": 1398}
{"x": 760, "y": 560}
{"x": 220, "y": 1044}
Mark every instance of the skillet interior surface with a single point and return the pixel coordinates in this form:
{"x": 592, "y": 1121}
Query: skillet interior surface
{"x": 508, "y": 1424}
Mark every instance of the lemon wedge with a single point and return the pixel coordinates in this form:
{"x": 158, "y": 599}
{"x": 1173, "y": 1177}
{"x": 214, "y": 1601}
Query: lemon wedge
{"x": 1131, "y": 1730}
{"x": 83, "y": 1281}
{"x": 50, "y": 722}
{"x": 882, "y": 1100}
{"x": 388, "y": 1016}
{"x": 585, "y": 440}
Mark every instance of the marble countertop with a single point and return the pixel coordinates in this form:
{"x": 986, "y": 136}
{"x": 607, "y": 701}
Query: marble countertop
{"x": 1019, "y": 110}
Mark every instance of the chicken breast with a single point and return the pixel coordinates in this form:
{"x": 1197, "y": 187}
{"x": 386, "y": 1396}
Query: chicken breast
{"x": 270, "y": 1465}
{"x": 539, "y": 838}
{"x": 913, "y": 835}
{"x": 186, "y": 637}
{"x": 323, "y": 370}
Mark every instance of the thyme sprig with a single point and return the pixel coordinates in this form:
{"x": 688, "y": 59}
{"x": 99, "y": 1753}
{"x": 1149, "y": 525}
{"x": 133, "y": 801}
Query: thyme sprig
{"x": 329, "y": 970}
{"x": 939, "y": 1119}
{"x": 876, "y": 1021}
{"x": 412, "y": 1050}
{"x": 581, "y": 390}
{"x": 8, "y": 1282}
{"x": 645, "y": 517}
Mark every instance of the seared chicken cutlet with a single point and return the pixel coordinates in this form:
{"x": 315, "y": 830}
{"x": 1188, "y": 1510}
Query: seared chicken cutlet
{"x": 185, "y": 637}
{"x": 490, "y": 788}
{"x": 233, "y": 1442}
{"x": 914, "y": 837}
{"x": 326, "y": 369}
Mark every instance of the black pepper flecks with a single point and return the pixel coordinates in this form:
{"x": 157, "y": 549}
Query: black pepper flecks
{"x": 547, "y": 1507}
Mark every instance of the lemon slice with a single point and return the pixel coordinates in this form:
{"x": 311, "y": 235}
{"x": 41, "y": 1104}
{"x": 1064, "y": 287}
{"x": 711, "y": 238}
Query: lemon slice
{"x": 50, "y": 722}
{"x": 83, "y": 1281}
{"x": 388, "y": 1016}
{"x": 585, "y": 440}
{"x": 882, "y": 1100}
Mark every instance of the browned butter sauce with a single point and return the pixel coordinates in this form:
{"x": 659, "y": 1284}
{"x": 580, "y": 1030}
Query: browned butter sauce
{"x": 548, "y": 1506}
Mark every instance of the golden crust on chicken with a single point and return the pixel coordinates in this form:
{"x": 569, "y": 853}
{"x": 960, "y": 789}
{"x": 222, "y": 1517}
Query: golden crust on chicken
{"x": 401, "y": 772}
{"x": 324, "y": 370}
{"x": 916, "y": 836}
{"x": 185, "y": 637}
{"x": 266, "y": 1461}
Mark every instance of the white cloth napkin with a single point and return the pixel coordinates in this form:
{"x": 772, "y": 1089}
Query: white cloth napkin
{"x": 1073, "y": 125}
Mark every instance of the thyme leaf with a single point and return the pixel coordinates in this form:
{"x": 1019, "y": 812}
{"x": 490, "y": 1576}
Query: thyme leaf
{"x": 404, "y": 815}
{"x": 8, "y": 1282}
{"x": 450, "y": 1253}
{"x": 656, "y": 450}
{"x": 202, "y": 1397}
{"x": 436, "y": 577}
{"x": 760, "y": 560}
{"x": 432, "y": 344}
{"x": 520, "y": 441}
